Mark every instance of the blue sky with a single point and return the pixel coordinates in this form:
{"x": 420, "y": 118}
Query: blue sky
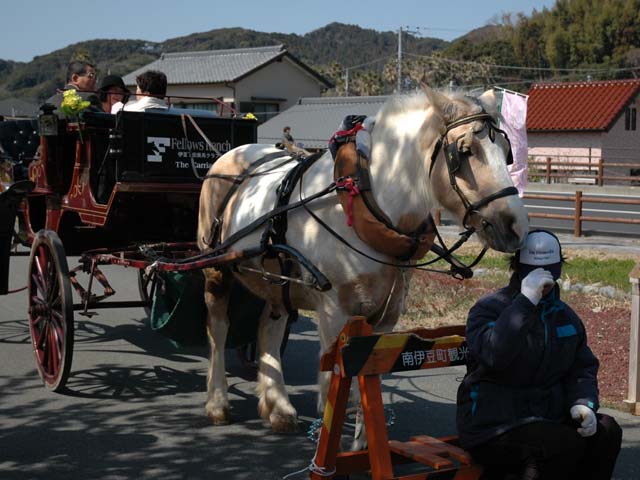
{"x": 37, "y": 27}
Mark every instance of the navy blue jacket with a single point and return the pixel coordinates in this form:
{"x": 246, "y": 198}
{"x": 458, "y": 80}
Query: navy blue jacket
{"x": 526, "y": 363}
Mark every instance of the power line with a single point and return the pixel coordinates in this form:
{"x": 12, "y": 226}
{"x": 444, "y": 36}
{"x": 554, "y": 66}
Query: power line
{"x": 515, "y": 67}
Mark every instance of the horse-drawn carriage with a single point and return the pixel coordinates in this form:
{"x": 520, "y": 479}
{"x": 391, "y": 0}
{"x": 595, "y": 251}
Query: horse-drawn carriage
{"x": 332, "y": 234}
{"x": 114, "y": 189}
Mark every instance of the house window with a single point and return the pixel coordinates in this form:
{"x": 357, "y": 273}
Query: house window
{"x": 212, "y": 107}
{"x": 263, "y": 110}
{"x": 630, "y": 118}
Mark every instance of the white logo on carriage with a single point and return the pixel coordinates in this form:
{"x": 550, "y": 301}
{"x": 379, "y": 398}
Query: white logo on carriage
{"x": 156, "y": 146}
{"x": 198, "y": 152}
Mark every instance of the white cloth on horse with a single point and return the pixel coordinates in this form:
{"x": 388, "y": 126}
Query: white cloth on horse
{"x": 514, "y": 113}
{"x": 363, "y": 137}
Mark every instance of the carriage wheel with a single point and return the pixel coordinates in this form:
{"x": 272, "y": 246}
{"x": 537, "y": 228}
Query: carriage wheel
{"x": 50, "y": 309}
{"x": 147, "y": 287}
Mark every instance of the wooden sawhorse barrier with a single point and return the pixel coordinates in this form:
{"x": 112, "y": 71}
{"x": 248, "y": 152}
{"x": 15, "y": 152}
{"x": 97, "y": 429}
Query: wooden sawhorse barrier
{"x": 359, "y": 353}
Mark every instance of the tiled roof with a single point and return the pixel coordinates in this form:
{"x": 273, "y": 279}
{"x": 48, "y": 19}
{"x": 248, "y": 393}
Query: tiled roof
{"x": 314, "y": 119}
{"x": 16, "y": 107}
{"x": 578, "y": 106}
{"x": 214, "y": 66}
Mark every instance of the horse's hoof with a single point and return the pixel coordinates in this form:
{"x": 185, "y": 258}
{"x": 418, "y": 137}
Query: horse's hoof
{"x": 283, "y": 424}
{"x": 219, "y": 416}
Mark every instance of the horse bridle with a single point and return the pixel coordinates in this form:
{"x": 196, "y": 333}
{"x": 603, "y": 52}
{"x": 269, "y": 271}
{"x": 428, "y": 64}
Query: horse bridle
{"x": 453, "y": 158}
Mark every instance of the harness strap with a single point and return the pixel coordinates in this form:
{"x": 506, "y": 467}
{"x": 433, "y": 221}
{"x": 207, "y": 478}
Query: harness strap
{"x": 364, "y": 182}
{"x": 279, "y": 223}
{"x": 261, "y": 221}
{"x": 505, "y": 192}
{"x": 370, "y": 223}
{"x": 276, "y": 229}
{"x": 214, "y": 235}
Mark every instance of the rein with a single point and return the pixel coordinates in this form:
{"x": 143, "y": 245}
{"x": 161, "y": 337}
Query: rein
{"x": 453, "y": 162}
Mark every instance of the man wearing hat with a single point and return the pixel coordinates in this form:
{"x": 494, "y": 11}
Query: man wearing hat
{"x": 112, "y": 92}
{"x": 527, "y": 406}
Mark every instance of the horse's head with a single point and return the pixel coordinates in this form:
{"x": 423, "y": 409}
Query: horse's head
{"x": 468, "y": 169}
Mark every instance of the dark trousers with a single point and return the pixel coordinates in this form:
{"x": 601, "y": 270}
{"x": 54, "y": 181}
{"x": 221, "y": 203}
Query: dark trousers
{"x": 548, "y": 451}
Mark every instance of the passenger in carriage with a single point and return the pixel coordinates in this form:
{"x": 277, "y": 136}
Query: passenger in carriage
{"x": 81, "y": 76}
{"x": 112, "y": 92}
{"x": 527, "y": 405}
{"x": 151, "y": 88}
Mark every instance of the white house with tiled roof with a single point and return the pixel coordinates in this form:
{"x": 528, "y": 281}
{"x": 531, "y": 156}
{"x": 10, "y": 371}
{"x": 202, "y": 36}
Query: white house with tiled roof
{"x": 263, "y": 80}
{"x": 586, "y": 123}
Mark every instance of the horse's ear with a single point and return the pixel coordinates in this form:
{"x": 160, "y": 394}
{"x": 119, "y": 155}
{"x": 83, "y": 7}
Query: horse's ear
{"x": 439, "y": 102}
{"x": 489, "y": 101}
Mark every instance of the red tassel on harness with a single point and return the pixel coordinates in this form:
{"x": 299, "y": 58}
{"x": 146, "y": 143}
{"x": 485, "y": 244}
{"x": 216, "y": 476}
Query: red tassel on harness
{"x": 349, "y": 185}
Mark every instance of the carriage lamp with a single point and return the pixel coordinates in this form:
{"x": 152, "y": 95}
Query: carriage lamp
{"x": 47, "y": 120}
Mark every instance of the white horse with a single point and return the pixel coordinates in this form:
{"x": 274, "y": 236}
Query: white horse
{"x": 406, "y": 184}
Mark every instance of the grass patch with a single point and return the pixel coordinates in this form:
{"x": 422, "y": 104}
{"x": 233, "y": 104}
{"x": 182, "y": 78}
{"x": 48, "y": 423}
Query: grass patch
{"x": 579, "y": 268}
{"x": 614, "y": 272}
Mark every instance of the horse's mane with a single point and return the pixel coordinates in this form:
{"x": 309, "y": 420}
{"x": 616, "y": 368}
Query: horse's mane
{"x": 459, "y": 105}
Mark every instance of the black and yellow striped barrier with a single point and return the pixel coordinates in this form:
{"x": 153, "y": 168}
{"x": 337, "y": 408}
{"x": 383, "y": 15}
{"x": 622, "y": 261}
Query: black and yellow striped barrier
{"x": 358, "y": 352}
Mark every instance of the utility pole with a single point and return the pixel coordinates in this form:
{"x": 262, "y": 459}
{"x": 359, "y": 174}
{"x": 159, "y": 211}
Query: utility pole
{"x": 399, "y": 88}
{"x": 346, "y": 83}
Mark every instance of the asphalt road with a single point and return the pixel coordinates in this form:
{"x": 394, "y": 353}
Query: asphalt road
{"x": 135, "y": 405}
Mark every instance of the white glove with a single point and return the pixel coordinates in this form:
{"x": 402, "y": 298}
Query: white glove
{"x": 587, "y": 419}
{"x": 533, "y": 284}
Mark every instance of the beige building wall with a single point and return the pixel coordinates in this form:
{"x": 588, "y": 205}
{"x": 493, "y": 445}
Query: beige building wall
{"x": 566, "y": 148}
{"x": 199, "y": 91}
{"x": 283, "y": 79}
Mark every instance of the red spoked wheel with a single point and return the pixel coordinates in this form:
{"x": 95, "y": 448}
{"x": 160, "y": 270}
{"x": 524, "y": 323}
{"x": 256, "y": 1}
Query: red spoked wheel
{"x": 50, "y": 309}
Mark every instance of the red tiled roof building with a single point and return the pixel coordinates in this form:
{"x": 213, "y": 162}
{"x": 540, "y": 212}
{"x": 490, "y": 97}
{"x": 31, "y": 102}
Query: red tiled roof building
{"x": 579, "y": 106}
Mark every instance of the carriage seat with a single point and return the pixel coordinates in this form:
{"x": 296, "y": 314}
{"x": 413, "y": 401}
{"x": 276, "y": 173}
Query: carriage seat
{"x": 19, "y": 141}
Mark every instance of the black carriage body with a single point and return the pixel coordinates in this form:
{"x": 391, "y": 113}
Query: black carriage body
{"x": 130, "y": 178}
{"x": 161, "y": 147}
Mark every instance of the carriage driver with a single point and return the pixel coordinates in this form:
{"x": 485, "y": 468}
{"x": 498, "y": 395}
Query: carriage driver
{"x": 81, "y": 76}
{"x": 527, "y": 406}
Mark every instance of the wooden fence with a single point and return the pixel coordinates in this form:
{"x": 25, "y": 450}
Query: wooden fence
{"x": 591, "y": 170}
{"x": 579, "y": 200}
{"x": 577, "y": 217}
{"x": 633, "y": 397}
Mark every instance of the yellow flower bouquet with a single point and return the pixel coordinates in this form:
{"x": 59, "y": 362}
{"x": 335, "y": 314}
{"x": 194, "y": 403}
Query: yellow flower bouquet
{"x": 72, "y": 105}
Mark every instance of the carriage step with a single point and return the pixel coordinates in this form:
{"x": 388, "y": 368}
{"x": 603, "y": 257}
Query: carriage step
{"x": 422, "y": 453}
{"x": 444, "y": 449}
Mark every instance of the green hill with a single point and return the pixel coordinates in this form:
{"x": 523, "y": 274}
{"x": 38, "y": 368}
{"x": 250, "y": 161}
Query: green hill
{"x": 344, "y": 44}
